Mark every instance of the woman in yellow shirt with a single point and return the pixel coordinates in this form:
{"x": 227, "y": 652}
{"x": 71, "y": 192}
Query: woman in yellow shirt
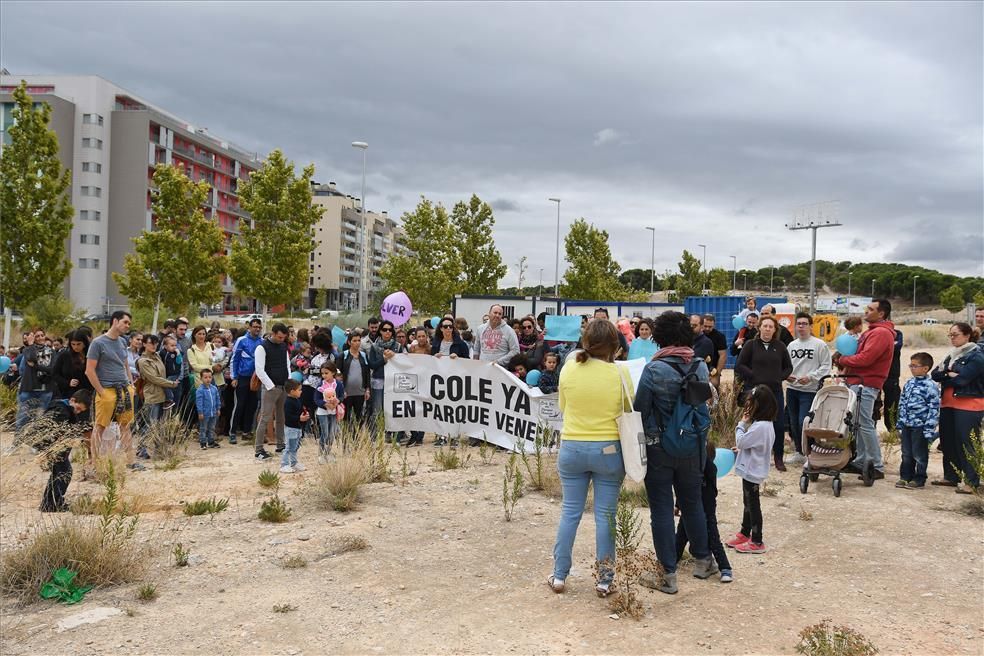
{"x": 592, "y": 400}
{"x": 199, "y": 354}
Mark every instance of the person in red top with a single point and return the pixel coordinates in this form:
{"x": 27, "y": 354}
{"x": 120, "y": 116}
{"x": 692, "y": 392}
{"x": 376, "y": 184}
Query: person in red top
{"x": 866, "y": 372}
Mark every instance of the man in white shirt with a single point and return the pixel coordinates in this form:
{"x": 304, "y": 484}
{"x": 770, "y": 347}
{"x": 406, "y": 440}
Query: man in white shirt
{"x": 273, "y": 369}
{"x": 495, "y": 340}
{"x": 811, "y": 362}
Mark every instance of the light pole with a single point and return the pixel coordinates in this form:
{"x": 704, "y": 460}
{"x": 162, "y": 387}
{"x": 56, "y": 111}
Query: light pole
{"x": 914, "y": 279}
{"x": 734, "y": 272}
{"x": 652, "y": 277}
{"x": 772, "y": 277}
{"x": 872, "y": 287}
{"x": 849, "y": 274}
{"x": 702, "y": 283}
{"x": 745, "y": 276}
{"x": 539, "y": 287}
{"x": 815, "y": 215}
{"x": 557, "y": 256}
{"x": 364, "y": 147}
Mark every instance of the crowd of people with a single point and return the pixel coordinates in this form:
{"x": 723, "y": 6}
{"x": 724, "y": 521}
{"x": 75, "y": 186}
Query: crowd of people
{"x": 281, "y": 385}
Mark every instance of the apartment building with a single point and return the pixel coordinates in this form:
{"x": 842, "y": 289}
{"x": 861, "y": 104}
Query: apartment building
{"x": 346, "y": 245}
{"x": 111, "y": 140}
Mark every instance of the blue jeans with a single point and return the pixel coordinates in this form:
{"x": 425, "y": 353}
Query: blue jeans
{"x": 869, "y": 450}
{"x": 578, "y": 464}
{"x": 30, "y": 404}
{"x": 915, "y": 454}
{"x": 684, "y": 476}
{"x": 326, "y": 432}
{"x": 798, "y": 406}
{"x": 206, "y": 430}
{"x": 292, "y": 441}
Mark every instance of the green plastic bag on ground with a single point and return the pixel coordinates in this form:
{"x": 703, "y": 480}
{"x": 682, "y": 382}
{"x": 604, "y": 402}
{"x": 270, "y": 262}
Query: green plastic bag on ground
{"x": 62, "y": 588}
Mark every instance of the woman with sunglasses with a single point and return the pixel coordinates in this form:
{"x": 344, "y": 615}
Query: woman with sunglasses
{"x": 448, "y": 341}
{"x": 961, "y": 375}
{"x": 530, "y": 343}
{"x": 384, "y": 348}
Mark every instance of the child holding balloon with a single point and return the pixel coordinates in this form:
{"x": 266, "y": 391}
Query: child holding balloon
{"x": 754, "y": 436}
{"x": 708, "y": 496}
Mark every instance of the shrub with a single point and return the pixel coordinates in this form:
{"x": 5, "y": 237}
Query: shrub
{"x": 147, "y": 592}
{"x": 269, "y": 479}
{"x": 930, "y": 337}
{"x": 345, "y": 543}
{"x": 725, "y": 415}
{"x": 512, "y": 486}
{"x": 630, "y": 563}
{"x": 337, "y": 484}
{"x": 294, "y": 561}
{"x": 102, "y": 552}
{"x": 806, "y": 516}
{"x": 634, "y": 495}
{"x": 274, "y": 510}
{"x": 446, "y": 459}
{"x": 8, "y": 404}
{"x": 487, "y": 451}
{"x": 283, "y": 608}
{"x": 180, "y": 555}
{"x": 211, "y": 506}
{"x": 824, "y": 639}
{"x": 534, "y": 471}
{"x": 168, "y": 441}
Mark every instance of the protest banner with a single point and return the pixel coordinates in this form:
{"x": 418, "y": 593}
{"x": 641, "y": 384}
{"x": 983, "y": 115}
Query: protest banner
{"x": 467, "y": 398}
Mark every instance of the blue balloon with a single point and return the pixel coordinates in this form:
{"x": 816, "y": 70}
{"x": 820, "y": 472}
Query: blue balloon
{"x": 847, "y": 344}
{"x": 533, "y": 378}
{"x": 435, "y": 322}
{"x": 724, "y": 460}
{"x": 297, "y": 375}
{"x": 4, "y": 364}
{"x": 337, "y": 336}
{"x": 738, "y": 322}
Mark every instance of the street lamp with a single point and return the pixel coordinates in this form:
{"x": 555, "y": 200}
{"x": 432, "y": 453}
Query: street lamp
{"x": 734, "y": 272}
{"x": 703, "y": 284}
{"x": 745, "y": 276}
{"x": 914, "y": 279}
{"x": 539, "y": 287}
{"x": 652, "y": 277}
{"x": 364, "y": 147}
{"x": 557, "y": 256}
{"x": 817, "y": 220}
{"x": 849, "y": 274}
{"x": 872, "y": 287}
{"x": 772, "y": 276}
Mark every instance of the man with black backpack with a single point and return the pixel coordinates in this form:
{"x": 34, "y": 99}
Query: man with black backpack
{"x": 672, "y": 395}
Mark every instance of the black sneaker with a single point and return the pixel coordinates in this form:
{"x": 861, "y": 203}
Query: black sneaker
{"x": 263, "y": 455}
{"x": 214, "y": 445}
{"x": 203, "y": 446}
{"x": 232, "y": 439}
{"x": 280, "y": 449}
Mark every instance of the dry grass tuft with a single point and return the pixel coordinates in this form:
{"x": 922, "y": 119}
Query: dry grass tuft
{"x": 725, "y": 415}
{"x": 825, "y": 639}
{"x": 147, "y": 592}
{"x": 634, "y": 494}
{"x": 337, "y": 485}
{"x": 274, "y": 510}
{"x": 168, "y": 440}
{"x": 341, "y": 544}
{"x": 294, "y": 561}
{"x": 806, "y": 516}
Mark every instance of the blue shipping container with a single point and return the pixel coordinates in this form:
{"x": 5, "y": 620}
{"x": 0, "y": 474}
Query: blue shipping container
{"x": 724, "y": 308}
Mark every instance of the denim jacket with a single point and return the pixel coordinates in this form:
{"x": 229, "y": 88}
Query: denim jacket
{"x": 659, "y": 387}
{"x": 969, "y": 382}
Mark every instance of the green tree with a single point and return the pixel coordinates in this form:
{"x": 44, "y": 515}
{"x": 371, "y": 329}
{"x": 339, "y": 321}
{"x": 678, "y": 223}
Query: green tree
{"x": 640, "y": 279}
{"x": 952, "y": 298}
{"x": 36, "y": 211}
{"x": 719, "y": 282}
{"x": 690, "y": 281}
{"x": 430, "y": 273}
{"x": 53, "y": 312}
{"x": 269, "y": 260}
{"x": 181, "y": 261}
{"x": 481, "y": 263}
{"x": 321, "y": 298}
{"x": 979, "y": 299}
{"x": 593, "y": 272}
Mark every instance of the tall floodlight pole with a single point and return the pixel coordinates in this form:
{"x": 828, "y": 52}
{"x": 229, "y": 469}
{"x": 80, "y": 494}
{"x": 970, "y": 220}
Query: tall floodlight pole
{"x": 849, "y": 274}
{"x": 703, "y": 284}
{"x": 557, "y": 255}
{"x": 812, "y": 218}
{"x": 872, "y": 287}
{"x": 539, "y": 287}
{"x": 914, "y": 279}
{"x": 734, "y": 272}
{"x": 652, "y": 276}
{"x": 772, "y": 276}
{"x": 364, "y": 147}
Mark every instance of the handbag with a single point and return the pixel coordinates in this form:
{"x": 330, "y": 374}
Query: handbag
{"x": 631, "y": 436}
{"x": 254, "y": 383}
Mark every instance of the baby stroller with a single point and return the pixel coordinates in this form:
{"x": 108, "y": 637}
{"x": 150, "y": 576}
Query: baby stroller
{"x": 828, "y": 436}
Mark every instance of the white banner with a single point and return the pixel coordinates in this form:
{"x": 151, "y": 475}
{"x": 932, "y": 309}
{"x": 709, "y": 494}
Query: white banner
{"x": 459, "y": 397}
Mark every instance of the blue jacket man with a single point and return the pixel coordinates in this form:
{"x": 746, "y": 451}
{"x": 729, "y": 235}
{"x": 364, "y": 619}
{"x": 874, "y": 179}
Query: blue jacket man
{"x": 242, "y": 366}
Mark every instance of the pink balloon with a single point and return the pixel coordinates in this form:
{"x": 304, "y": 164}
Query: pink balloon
{"x": 396, "y": 308}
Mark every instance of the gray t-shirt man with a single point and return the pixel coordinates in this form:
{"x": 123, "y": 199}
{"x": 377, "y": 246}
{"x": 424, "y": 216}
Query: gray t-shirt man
{"x": 111, "y": 360}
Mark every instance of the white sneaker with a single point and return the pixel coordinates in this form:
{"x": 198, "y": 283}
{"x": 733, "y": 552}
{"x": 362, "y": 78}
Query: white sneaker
{"x": 796, "y": 459}
{"x": 287, "y": 469}
{"x": 299, "y": 467}
{"x": 321, "y": 460}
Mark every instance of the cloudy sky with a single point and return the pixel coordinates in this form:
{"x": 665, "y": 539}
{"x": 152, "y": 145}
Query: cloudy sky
{"x": 711, "y": 122}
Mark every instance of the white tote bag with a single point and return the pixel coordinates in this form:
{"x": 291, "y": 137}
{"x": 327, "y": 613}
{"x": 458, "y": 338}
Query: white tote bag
{"x": 632, "y": 436}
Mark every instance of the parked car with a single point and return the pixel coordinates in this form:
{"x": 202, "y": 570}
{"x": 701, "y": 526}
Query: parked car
{"x": 249, "y": 317}
{"x": 328, "y": 313}
{"x": 929, "y": 321}
{"x": 96, "y": 317}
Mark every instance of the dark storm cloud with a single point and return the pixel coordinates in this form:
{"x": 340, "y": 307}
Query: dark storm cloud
{"x": 710, "y": 121}
{"x": 504, "y": 205}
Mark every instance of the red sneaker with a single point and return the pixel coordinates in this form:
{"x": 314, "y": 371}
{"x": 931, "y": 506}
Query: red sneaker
{"x": 740, "y": 538}
{"x": 751, "y": 547}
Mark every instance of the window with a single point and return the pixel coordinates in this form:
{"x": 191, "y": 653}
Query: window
{"x": 95, "y": 192}
{"x": 89, "y": 239}
{"x": 90, "y": 142}
{"x": 92, "y": 119}
{"x": 88, "y": 263}
{"x": 90, "y": 215}
{"x": 508, "y": 311}
{"x": 92, "y": 167}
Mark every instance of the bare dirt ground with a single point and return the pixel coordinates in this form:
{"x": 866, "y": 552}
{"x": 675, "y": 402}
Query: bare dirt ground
{"x": 445, "y": 573}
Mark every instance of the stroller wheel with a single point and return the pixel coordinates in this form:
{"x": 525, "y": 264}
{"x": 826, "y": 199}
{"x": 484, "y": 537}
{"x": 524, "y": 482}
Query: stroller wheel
{"x": 804, "y": 484}
{"x": 814, "y": 478}
{"x": 836, "y": 484}
{"x": 868, "y": 474}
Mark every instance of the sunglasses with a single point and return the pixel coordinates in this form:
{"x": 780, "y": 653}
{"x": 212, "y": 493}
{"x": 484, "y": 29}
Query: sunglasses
{"x": 447, "y": 325}
{"x": 385, "y": 330}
